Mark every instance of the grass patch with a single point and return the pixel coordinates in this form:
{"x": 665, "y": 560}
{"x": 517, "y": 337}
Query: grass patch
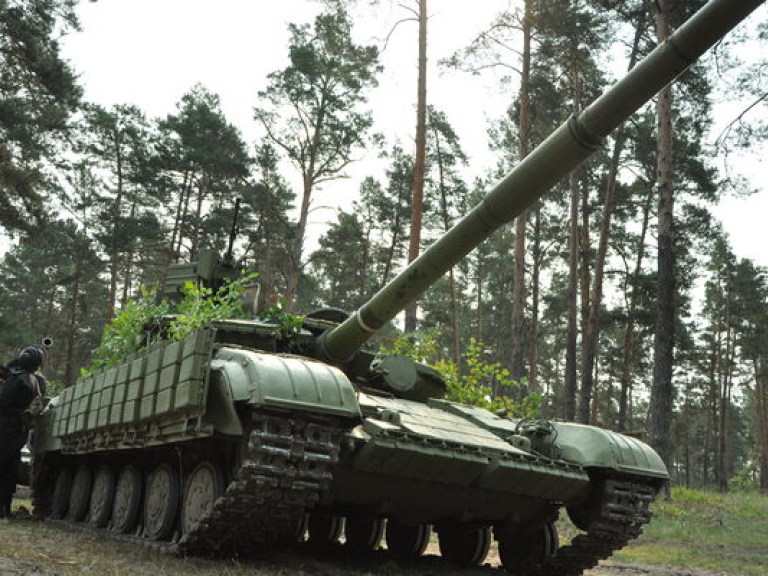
{"x": 725, "y": 533}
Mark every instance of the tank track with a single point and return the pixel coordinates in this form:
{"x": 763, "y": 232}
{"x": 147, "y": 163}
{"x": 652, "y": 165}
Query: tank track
{"x": 285, "y": 470}
{"x": 622, "y": 515}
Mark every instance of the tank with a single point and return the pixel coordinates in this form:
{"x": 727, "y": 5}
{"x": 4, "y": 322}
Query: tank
{"x": 244, "y": 437}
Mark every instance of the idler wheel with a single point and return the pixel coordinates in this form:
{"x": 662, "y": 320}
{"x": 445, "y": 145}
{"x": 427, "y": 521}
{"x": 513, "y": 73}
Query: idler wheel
{"x": 522, "y": 552}
{"x": 61, "y": 492}
{"x": 204, "y": 485}
{"x": 102, "y": 495}
{"x": 162, "y": 505}
{"x": 80, "y": 496}
{"x": 126, "y": 504}
{"x": 363, "y": 533}
{"x": 324, "y": 529}
{"x": 407, "y": 541}
{"x": 586, "y": 512}
{"x": 464, "y": 545}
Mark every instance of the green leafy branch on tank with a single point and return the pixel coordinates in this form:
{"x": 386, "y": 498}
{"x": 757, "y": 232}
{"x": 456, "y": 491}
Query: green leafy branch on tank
{"x": 473, "y": 380}
{"x": 126, "y": 333}
{"x": 286, "y": 325}
{"x": 147, "y": 319}
{"x": 201, "y": 305}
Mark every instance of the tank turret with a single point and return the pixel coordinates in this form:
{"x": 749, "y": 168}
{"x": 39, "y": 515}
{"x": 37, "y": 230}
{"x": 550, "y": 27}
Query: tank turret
{"x": 241, "y": 438}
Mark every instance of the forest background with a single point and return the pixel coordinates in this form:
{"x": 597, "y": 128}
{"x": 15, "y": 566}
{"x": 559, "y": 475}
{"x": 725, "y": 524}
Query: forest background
{"x": 617, "y": 299}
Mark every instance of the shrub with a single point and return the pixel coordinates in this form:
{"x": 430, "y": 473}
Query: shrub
{"x": 474, "y": 380}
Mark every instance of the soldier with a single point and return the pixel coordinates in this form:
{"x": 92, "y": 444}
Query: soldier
{"x": 18, "y": 390}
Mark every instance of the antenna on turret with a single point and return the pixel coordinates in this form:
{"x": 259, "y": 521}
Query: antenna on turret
{"x": 228, "y": 257}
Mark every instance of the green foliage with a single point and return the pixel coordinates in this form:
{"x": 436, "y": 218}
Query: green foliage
{"x": 473, "y": 381}
{"x": 747, "y": 479}
{"x": 201, "y": 305}
{"x": 51, "y": 287}
{"x": 38, "y": 92}
{"x": 131, "y": 330}
{"x": 286, "y": 325}
{"x": 126, "y": 333}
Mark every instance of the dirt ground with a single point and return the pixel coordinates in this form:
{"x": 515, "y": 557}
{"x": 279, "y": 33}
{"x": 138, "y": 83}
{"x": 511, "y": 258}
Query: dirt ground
{"x": 29, "y": 547}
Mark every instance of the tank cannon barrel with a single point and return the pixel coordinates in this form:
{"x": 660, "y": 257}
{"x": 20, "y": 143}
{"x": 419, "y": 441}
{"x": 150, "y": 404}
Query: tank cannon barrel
{"x": 550, "y": 162}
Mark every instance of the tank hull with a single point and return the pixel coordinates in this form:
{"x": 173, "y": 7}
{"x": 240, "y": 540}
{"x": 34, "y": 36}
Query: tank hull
{"x": 269, "y": 438}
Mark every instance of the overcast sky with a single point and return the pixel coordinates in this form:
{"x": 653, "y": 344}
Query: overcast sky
{"x": 150, "y": 52}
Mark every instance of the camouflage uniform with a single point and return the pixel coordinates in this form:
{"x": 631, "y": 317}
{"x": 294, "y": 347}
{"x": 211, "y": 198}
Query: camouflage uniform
{"x": 18, "y": 389}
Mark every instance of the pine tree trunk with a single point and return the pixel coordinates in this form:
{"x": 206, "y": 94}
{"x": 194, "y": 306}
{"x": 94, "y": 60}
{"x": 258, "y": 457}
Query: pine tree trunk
{"x": 585, "y": 252}
{"x": 593, "y": 320}
{"x": 517, "y": 363}
{"x": 664, "y": 342}
{"x": 114, "y": 217}
{"x": 71, "y": 368}
{"x": 533, "y": 348}
{"x": 571, "y": 347}
{"x": 724, "y": 401}
{"x": 417, "y": 183}
{"x": 298, "y": 244}
{"x": 628, "y": 354}
{"x": 454, "y": 299}
{"x": 389, "y": 262}
{"x": 712, "y": 419}
{"x": 761, "y": 407}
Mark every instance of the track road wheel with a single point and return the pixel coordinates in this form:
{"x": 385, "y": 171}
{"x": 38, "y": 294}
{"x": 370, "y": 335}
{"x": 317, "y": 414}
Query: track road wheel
{"x": 61, "y": 493}
{"x": 521, "y": 553}
{"x": 126, "y": 504}
{"x": 102, "y": 495}
{"x": 80, "y": 496}
{"x": 363, "y": 533}
{"x": 204, "y": 485}
{"x": 464, "y": 545}
{"x": 162, "y": 504}
{"x": 324, "y": 529}
{"x": 298, "y": 532}
{"x": 407, "y": 541}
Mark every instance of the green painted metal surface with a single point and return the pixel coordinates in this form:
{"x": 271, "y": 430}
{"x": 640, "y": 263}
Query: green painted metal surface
{"x": 285, "y": 381}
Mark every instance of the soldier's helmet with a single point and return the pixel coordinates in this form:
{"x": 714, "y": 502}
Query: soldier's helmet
{"x": 30, "y": 359}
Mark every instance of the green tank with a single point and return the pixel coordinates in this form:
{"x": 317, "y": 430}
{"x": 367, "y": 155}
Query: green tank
{"x": 240, "y": 439}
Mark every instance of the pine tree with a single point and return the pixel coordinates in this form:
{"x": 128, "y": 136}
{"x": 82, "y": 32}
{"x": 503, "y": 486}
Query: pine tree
{"x": 52, "y": 287}
{"x": 38, "y": 93}
{"x": 311, "y": 111}
{"x": 205, "y": 160}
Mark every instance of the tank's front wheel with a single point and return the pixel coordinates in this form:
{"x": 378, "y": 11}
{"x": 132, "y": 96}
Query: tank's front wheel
{"x": 162, "y": 505}
{"x": 101, "y": 497}
{"x": 464, "y": 545}
{"x": 204, "y": 485}
{"x": 407, "y": 541}
{"x": 126, "y": 505}
{"x": 520, "y": 553}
